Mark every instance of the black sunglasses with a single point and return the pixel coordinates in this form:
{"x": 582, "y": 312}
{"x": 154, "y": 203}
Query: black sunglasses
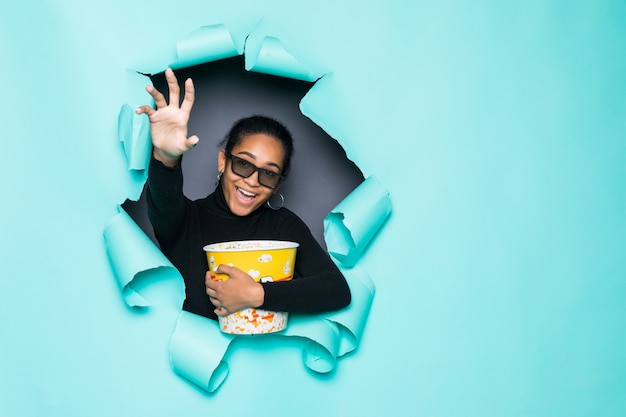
{"x": 244, "y": 169}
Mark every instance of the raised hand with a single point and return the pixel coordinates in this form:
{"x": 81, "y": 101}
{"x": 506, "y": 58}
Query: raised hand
{"x": 168, "y": 123}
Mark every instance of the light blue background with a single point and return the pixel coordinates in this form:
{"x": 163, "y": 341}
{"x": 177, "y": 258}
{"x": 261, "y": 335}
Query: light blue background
{"x": 499, "y": 130}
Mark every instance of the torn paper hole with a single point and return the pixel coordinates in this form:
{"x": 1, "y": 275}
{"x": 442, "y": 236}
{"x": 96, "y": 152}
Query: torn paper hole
{"x": 198, "y": 348}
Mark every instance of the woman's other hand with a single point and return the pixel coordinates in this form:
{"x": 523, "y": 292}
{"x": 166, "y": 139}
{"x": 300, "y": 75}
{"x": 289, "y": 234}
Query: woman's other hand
{"x": 168, "y": 123}
{"x": 236, "y": 293}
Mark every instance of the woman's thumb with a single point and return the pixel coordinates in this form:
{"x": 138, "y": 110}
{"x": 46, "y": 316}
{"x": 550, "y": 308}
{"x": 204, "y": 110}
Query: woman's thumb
{"x": 192, "y": 141}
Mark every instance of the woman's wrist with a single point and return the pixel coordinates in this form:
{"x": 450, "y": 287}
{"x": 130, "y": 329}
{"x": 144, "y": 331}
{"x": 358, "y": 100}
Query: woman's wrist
{"x": 258, "y": 295}
{"x": 165, "y": 158}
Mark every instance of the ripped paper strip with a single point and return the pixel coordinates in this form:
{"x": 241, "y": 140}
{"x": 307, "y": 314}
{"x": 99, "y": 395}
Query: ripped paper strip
{"x": 133, "y": 131}
{"x": 132, "y": 254}
{"x": 272, "y": 58}
{"x": 350, "y": 226}
{"x": 336, "y": 333}
{"x": 207, "y": 44}
{"x": 197, "y": 349}
{"x": 351, "y": 320}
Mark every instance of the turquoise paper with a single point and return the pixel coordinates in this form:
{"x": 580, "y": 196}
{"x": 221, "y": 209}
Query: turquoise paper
{"x": 197, "y": 351}
{"x": 206, "y": 44}
{"x": 497, "y": 128}
{"x": 131, "y": 253}
{"x": 271, "y": 57}
{"x": 350, "y": 226}
{"x": 134, "y": 133}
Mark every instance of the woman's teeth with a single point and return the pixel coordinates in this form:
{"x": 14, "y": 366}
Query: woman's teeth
{"x": 247, "y": 194}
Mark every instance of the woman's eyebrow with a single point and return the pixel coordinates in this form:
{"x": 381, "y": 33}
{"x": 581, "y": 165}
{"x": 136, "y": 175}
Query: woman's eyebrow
{"x": 254, "y": 157}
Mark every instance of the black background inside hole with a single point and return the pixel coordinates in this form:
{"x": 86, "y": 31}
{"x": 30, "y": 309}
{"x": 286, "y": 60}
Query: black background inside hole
{"x": 321, "y": 175}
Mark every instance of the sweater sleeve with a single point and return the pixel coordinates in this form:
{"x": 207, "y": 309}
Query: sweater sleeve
{"x": 318, "y": 285}
{"x": 166, "y": 202}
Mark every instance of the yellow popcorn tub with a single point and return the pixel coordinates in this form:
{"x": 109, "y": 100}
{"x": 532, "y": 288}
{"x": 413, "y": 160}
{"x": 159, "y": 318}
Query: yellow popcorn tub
{"x": 264, "y": 261}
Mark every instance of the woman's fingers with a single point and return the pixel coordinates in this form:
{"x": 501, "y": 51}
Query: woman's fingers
{"x": 144, "y": 109}
{"x": 226, "y": 269}
{"x": 174, "y": 95}
{"x": 172, "y": 84}
{"x": 192, "y": 141}
{"x": 221, "y": 311}
{"x": 190, "y": 95}
{"x": 159, "y": 99}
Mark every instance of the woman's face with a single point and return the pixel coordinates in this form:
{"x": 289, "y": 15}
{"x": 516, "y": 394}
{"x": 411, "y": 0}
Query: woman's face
{"x": 245, "y": 195}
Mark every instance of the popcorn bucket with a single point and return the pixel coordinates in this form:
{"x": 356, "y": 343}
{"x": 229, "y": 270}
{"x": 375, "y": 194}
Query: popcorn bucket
{"x": 264, "y": 261}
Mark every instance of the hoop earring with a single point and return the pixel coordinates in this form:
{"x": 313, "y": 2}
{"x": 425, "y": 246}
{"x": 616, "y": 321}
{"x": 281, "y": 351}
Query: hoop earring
{"x": 282, "y": 202}
{"x": 219, "y": 177}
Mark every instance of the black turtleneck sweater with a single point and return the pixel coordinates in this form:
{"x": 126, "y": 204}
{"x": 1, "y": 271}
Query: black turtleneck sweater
{"x": 183, "y": 227}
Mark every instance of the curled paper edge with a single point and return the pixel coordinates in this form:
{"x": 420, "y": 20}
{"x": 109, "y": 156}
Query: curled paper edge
{"x": 322, "y": 349}
{"x": 272, "y": 58}
{"x": 352, "y": 224}
{"x": 318, "y": 358}
{"x": 206, "y": 44}
{"x": 122, "y": 236}
{"x": 134, "y": 133}
{"x": 319, "y": 105}
{"x": 351, "y": 320}
{"x": 197, "y": 349}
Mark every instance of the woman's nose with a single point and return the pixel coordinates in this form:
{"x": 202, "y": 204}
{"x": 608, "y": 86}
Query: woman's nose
{"x": 253, "y": 179}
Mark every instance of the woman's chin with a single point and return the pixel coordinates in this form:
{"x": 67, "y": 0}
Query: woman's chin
{"x": 243, "y": 209}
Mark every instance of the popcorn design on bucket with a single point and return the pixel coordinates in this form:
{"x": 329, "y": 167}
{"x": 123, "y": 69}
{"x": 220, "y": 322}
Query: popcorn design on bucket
{"x": 264, "y": 261}
{"x": 253, "y": 321}
{"x": 266, "y": 257}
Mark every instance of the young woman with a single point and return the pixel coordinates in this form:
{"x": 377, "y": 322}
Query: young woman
{"x": 253, "y": 163}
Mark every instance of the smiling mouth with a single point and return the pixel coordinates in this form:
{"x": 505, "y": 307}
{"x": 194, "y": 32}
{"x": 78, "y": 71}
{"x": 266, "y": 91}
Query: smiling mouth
{"x": 245, "y": 195}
